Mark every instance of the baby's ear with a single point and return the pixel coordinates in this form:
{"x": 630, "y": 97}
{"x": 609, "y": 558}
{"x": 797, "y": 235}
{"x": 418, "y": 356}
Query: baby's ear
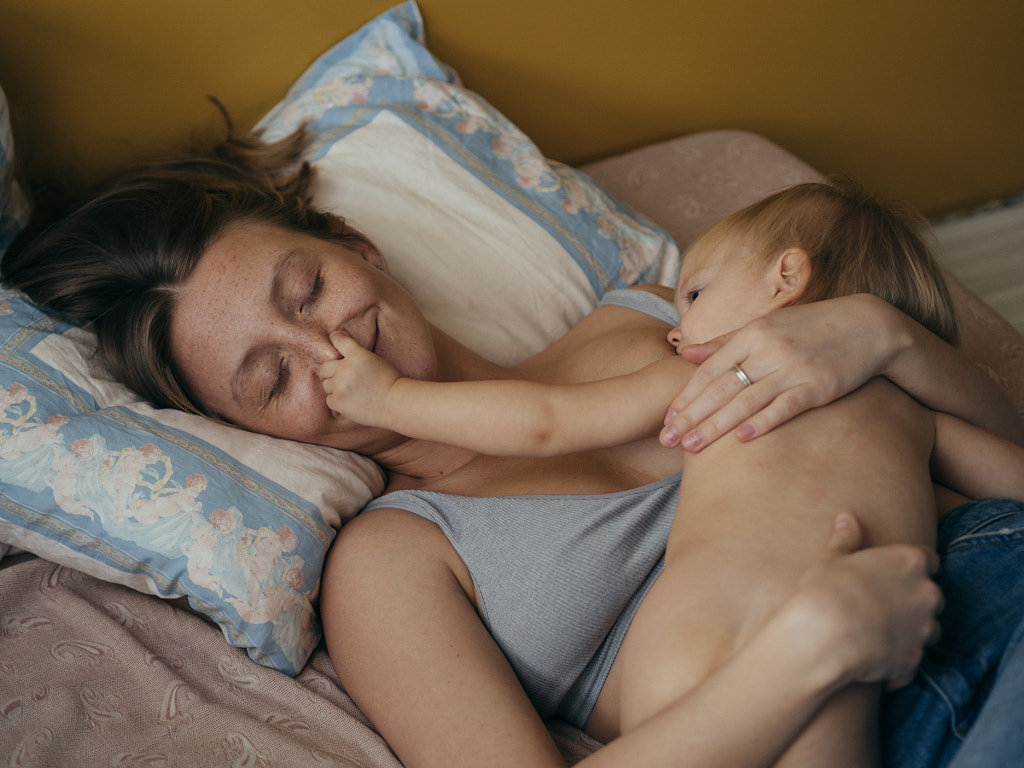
{"x": 789, "y": 276}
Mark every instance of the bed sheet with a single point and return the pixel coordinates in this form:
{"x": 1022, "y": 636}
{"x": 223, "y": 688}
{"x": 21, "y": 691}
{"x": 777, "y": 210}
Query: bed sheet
{"x": 96, "y": 674}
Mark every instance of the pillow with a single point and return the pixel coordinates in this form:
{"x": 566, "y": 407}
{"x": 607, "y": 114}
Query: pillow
{"x": 164, "y": 502}
{"x": 504, "y": 249}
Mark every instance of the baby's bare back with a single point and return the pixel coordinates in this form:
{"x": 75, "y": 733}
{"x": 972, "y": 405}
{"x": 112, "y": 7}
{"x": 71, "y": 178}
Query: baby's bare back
{"x": 752, "y": 518}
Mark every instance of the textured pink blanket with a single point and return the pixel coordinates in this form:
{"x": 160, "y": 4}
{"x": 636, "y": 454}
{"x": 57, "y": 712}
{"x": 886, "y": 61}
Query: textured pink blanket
{"x": 94, "y": 674}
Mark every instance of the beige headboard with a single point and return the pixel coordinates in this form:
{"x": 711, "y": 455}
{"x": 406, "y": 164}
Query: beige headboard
{"x": 919, "y": 100}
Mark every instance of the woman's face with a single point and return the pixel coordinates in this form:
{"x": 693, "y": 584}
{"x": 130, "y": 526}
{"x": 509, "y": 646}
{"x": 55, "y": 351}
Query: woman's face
{"x": 251, "y": 327}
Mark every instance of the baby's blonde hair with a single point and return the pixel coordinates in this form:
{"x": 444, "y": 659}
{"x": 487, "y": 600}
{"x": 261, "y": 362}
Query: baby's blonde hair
{"x": 857, "y": 243}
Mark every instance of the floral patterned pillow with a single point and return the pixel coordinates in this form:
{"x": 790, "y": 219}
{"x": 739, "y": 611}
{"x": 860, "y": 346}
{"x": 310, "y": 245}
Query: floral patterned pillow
{"x": 167, "y": 503}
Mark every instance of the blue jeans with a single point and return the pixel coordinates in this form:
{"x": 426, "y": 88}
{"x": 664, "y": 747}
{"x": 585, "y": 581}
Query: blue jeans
{"x": 965, "y": 708}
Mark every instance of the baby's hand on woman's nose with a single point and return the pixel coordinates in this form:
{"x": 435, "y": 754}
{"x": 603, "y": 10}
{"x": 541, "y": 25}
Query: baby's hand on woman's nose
{"x": 357, "y": 386}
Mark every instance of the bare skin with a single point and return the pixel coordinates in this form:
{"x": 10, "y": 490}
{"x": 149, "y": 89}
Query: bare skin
{"x": 391, "y": 575}
{"x": 751, "y": 517}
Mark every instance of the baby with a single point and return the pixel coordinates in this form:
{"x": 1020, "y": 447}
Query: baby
{"x": 752, "y": 516}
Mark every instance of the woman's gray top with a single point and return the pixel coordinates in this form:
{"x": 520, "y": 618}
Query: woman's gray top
{"x": 559, "y": 578}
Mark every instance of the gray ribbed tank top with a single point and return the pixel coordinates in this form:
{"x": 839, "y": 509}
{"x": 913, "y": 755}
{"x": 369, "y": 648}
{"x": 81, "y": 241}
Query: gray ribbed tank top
{"x": 559, "y": 577}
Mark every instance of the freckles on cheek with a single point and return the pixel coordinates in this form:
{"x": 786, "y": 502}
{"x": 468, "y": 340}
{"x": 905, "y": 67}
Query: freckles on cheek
{"x": 311, "y": 414}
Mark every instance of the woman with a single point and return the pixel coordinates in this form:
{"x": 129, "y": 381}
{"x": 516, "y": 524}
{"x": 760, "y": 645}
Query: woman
{"x": 210, "y": 291}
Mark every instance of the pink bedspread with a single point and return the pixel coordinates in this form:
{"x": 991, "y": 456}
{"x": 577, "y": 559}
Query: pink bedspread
{"x": 94, "y": 674}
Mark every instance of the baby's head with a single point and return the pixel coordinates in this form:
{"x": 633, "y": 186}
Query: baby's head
{"x": 807, "y": 243}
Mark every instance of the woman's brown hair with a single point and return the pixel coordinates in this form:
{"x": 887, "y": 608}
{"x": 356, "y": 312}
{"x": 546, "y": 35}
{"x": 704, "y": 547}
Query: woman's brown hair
{"x": 115, "y": 262}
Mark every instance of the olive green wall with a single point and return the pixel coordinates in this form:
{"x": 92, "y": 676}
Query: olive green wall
{"x": 919, "y": 100}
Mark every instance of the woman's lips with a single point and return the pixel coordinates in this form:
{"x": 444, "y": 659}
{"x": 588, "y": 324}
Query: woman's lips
{"x": 375, "y": 342}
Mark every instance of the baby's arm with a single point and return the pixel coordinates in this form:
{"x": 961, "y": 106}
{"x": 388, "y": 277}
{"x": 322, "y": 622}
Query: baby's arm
{"x": 511, "y": 418}
{"x": 976, "y": 463}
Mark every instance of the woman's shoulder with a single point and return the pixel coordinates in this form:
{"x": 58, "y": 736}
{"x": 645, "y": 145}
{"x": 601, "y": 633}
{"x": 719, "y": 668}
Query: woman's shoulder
{"x": 362, "y": 540}
{"x": 655, "y": 301}
{"x": 625, "y": 333}
{"x": 392, "y": 544}
{"x": 662, "y": 291}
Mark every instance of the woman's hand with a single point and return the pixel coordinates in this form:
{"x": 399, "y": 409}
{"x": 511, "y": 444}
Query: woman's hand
{"x": 872, "y": 610}
{"x": 796, "y": 358}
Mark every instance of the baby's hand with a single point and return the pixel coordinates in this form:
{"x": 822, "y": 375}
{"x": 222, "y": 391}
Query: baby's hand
{"x": 357, "y": 386}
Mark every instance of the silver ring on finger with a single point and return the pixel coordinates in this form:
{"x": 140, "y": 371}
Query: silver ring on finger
{"x": 744, "y": 379}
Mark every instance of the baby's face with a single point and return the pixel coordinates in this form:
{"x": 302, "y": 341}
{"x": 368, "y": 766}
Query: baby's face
{"x": 721, "y": 287}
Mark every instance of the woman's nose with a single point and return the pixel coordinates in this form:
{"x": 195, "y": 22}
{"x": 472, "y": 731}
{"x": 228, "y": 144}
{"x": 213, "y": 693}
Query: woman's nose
{"x": 315, "y": 345}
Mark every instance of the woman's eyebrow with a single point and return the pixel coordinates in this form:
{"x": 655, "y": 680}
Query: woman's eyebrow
{"x": 282, "y": 270}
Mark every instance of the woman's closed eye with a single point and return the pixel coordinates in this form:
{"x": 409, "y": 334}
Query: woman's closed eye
{"x": 313, "y": 293}
{"x": 278, "y": 383}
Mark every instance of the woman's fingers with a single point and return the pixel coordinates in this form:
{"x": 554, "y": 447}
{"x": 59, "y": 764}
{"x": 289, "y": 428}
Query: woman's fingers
{"x": 925, "y": 601}
{"x": 728, "y": 403}
{"x": 724, "y": 391}
{"x": 714, "y": 400}
{"x": 712, "y": 358}
{"x": 881, "y": 601}
{"x": 785, "y": 406}
{"x": 795, "y": 358}
{"x": 719, "y": 408}
{"x": 932, "y": 634}
{"x": 698, "y": 353}
{"x": 847, "y": 535}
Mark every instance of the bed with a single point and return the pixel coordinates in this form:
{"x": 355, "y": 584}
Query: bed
{"x": 159, "y": 572}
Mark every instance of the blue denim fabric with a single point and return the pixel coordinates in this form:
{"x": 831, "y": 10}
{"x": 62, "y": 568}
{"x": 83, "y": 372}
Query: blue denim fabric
{"x": 997, "y": 738}
{"x": 966, "y": 705}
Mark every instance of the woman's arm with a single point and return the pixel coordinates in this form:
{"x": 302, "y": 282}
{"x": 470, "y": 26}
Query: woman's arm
{"x": 856, "y": 617}
{"x": 805, "y": 356}
{"x": 408, "y": 645}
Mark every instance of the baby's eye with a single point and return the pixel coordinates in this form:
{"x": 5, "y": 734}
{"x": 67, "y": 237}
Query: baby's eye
{"x": 692, "y": 296}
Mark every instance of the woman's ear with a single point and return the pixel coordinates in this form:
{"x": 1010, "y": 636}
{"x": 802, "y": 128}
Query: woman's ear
{"x": 789, "y": 277}
{"x": 357, "y": 241}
